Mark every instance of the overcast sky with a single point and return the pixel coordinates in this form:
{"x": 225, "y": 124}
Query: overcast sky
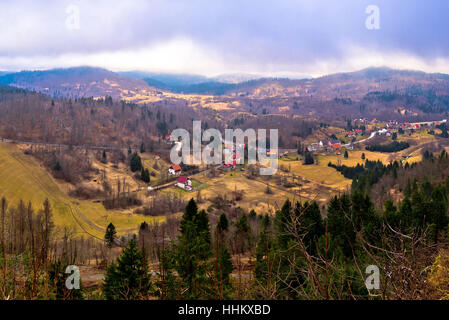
{"x": 211, "y": 37}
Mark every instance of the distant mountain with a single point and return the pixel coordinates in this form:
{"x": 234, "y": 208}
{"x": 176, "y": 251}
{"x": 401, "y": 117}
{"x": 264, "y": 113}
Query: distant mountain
{"x": 352, "y": 84}
{"x": 191, "y": 83}
{"x": 167, "y": 79}
{"x": 78, "y": 82}
{"x": 146, "y": 87}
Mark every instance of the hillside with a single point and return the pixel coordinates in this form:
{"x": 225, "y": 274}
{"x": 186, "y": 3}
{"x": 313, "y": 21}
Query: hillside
{"x": 78, "y": 82}
{"x": 96, "y": 82}
{"x": 23, "y": 178}
{"x": 373, "y": 93}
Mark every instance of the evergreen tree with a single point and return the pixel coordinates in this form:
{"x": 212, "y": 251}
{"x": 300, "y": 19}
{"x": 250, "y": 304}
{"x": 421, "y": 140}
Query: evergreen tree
{"x": 223, "y": 223}
{"x": 346, "y": 155}
{"x": 202, "y": 225}
{"x": 145, "y": 175}
{"x": 339, "y": 223}
{"x": 242, "y": 233}
{"x": 311, "y": 224}
{"x": 283, "y": 221}
{"x": 187, "y": 262}
{"x": 308, "y": 158}
{"x": 223, "y": 263}
{"x": 135, "y": 162}
{"x": 109, "y": 236}
{"x": 190, "y": 212}
{"x": 394, "y": 136}
{"x": 128, "y": 278}
{"x": 264, "y": 256}
{"x": 392, "y": 216}
{"x": 252, "y": 214}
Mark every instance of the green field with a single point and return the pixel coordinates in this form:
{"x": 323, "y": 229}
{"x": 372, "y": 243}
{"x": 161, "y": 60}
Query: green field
{"x": 22, "y": 177}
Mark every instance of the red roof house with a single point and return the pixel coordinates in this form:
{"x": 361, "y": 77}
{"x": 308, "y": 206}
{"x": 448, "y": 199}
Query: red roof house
{"x": 175, "y": 169}
{"x": 184, "y": 183}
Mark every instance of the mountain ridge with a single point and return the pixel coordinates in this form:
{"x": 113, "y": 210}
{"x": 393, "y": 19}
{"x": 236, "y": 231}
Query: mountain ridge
{"x": 89, "y": 81}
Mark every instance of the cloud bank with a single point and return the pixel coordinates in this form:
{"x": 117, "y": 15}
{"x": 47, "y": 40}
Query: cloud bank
{"x": 283, "y": 37}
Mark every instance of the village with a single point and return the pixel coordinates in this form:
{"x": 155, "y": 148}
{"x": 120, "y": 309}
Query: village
{"x": 365, "y": 130}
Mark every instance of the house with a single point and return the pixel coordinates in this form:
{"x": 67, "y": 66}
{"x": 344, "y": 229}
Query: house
{"x": 175, "y": 170}
{"x": 184, "y": 183}
{"x": 336, "y": 146}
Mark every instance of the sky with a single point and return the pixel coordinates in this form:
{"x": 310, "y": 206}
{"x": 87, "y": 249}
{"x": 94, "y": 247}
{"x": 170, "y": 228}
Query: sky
{"x": 295, "y": 38}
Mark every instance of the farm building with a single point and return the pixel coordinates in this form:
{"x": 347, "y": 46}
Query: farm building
{"x": 175, "y": 170}
{"x": 184, "y": 183}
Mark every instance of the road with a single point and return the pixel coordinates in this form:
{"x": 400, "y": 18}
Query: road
{"x": 372, "y": 135}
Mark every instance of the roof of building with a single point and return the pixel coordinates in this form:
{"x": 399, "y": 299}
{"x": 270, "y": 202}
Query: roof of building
{"x": 176, "y": 167}
{"x": 182, "y": 179}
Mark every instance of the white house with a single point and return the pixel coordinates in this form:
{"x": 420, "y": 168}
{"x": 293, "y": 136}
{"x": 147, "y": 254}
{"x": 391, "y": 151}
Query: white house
{"x": 184, "y": 183}
{"x": 175, "y": 170}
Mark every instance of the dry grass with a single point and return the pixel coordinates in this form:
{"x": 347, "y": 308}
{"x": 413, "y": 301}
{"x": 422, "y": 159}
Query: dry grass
{"x": 22, "y": 177}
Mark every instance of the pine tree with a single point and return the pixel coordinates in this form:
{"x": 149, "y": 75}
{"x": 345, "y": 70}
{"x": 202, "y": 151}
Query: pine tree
{"x": 339, "y": 225}
{"x": 135, "y": 162}
{"x": 190, "y": 212}
{"x": 145, "y": 175}
{"x": 283, "y": 221}
{"x": 308, "y": 158}
{"x": 128, "y": 278}
{"x": 190, "y": 258}
{"x": 242, "y": 233}
{"x": 223, "y": 263}
{"x": 311, "y": 224}
{"x": 223, "y": 223}
{"x": 202, "y": 225}
{"x": 264, "y": 251}
{"x": 391, "y": 215}
{"x": 109, "y": 236}
{"x": 252, "y": 214}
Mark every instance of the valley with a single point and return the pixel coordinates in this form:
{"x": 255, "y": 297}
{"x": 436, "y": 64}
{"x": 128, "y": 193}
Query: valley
{"x": 97, "y": 145}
